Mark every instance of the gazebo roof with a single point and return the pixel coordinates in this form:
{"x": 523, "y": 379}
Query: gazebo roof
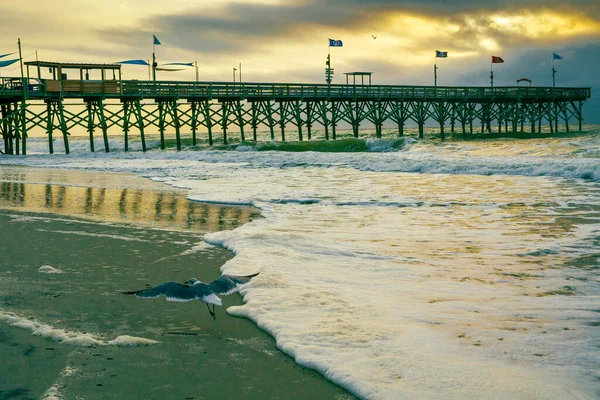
{"x": 52, "y": 64}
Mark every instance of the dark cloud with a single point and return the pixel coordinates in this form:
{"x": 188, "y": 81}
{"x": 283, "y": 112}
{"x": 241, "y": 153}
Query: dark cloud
{"x": 240, "y": 27}
{"x": 578, "y": 69}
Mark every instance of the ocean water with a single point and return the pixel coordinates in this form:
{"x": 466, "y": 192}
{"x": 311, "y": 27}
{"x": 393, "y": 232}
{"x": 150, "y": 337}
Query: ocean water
{"x": 412, "y": 269}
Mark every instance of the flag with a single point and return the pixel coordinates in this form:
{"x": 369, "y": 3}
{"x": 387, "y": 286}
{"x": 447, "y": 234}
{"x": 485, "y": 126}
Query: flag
{"x": 556, "y": 56}
{"x": 156, "y": 41}
{"x": 497, "y": 60}
{"x": 134, "y": 62}
{"x": 4, "y": 55}
{"x": 335, "y": 43}
{"x": 8, "y": 62}
{"x": 169, "y": 69}
{"x": 187, "y": 64}
{"x": 441, "y": 54}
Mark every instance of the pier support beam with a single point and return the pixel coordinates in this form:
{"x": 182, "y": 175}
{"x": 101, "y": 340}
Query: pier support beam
{"x": 55, "y": 112}
{"x": 132, "y": 115}
{"x": 168, "y": 116}
{"x": 95, "y": 112}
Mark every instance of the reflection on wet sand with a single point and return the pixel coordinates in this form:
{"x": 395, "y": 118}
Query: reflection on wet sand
{"x": 142, "y": 202}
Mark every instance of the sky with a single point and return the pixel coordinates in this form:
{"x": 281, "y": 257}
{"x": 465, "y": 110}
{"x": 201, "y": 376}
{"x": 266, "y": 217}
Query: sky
{"x": 287, "y": 40}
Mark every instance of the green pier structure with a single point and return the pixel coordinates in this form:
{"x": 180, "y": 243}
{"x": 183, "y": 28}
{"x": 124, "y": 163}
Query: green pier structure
{"x": 132, "y": 107}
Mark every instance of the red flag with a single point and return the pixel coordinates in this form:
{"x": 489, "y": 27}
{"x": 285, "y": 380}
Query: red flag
{"x": 497, "y": 60}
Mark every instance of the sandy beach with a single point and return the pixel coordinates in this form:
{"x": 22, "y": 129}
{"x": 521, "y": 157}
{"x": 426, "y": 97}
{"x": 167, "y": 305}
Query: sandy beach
{"x": 71, "y": 241}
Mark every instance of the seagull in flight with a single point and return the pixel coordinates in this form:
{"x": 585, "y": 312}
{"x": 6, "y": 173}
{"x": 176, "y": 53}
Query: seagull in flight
{"x": 374, "y": 37}
{"x": 196, "y": 290}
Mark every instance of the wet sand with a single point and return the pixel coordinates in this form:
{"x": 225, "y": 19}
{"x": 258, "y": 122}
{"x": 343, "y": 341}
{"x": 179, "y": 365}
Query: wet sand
{"x": 113, "y": 232}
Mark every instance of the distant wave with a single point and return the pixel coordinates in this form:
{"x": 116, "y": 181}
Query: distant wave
{"x": 526, "y": 158}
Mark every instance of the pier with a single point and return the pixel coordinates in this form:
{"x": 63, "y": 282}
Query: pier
{"x": 132, "y": 107}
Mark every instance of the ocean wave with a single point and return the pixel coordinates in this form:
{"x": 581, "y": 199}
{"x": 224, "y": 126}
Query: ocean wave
{"x": 498, "y": 157}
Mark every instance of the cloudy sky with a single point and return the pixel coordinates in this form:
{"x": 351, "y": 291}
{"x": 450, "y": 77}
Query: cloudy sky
{"x": 287, "y": 40}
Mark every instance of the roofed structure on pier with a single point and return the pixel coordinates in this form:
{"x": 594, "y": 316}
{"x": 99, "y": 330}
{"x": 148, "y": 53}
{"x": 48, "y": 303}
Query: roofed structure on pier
{"x": 362, "y": 77}
{"x": 57, "y": 69}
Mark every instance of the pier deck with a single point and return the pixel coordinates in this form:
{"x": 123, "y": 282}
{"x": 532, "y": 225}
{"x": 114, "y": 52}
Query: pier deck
{"x": 76, "y": 89}
{"x": 219, "y": 105}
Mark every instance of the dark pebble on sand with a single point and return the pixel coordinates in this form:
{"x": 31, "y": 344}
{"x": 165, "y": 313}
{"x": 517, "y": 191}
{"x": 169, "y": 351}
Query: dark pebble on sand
{"x": 49, "y": 348}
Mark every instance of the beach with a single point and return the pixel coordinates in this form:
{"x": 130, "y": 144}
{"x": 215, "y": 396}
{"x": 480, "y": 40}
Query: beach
{"x": 418, "y": 269}
{"x": 72, "y": 240}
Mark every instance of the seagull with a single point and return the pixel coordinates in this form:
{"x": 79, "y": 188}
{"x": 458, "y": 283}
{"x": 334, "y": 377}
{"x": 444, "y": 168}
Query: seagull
{"x": 374, "y": 37}
{"x": 196, "y": 290}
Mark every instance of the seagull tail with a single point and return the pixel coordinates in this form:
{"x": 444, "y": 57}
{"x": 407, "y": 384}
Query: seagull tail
{"x": 133, "y": 292}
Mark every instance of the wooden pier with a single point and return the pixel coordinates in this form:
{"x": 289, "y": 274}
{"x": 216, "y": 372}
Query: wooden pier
{"x": 131, "y": 106}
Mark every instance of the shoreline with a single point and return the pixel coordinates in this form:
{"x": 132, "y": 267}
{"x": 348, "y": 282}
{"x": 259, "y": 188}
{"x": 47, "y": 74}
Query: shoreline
{"x": 103, "y": 249}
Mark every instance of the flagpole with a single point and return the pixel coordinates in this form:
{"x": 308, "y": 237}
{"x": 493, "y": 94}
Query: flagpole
{"x": 492, "y": 74}
{"x": 196, "y": 65}
{"x": 553, "y": 73}
{"x": 329, "y": 66}
{"x": 435, "y": 73}
{"x": 153, "y": 59}
{"x": 149, "y": 76}
{"x": 20, "y": 57}
{"x": 22, "y": 75}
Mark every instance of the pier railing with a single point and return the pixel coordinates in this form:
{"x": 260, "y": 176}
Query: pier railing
{"x": 48, "y": 89}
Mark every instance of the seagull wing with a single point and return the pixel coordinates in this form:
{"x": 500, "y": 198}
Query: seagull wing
{"x": 173, "y": 291}
{"x": 228, "y": 284}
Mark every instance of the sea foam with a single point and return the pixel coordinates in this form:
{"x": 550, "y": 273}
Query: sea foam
{"x": 72, "y": 338}
{"x": 48, "y": 269}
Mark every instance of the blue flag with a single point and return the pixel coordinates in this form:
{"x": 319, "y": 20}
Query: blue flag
{"x": 134, "y": 62}
{"x": 556, "y": 56}
{"x": 8, "y": 62}
{"x": 441, "y": 54}
{"x": 335, "y": 43}
{"x": 187, "y": 64}
{"x": 4, "y": 55}
{"x": 156, "y": 41}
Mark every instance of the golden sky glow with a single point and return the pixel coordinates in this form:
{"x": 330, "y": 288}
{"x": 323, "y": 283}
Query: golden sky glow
{"x": 546, "y": 25}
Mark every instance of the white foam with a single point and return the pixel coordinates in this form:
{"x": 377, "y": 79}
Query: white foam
{"x": 48, "y": 269}
{"x": 131, "y": 341}
{"x": 53, "y": 392}
{"x": 69, "y": 337}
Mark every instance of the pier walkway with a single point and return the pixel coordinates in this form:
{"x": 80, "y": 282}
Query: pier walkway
{"x": 214, "y": 107}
